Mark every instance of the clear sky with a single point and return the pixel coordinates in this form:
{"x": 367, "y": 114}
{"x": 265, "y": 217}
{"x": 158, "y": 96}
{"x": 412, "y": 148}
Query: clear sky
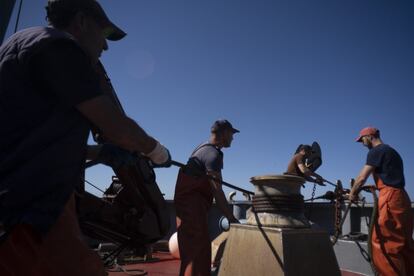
{"x": 283, "y": 72}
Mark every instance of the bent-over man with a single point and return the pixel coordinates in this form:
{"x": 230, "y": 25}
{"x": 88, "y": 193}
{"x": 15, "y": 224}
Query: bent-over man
{"x": 50, "y": 97}
{"x": 297, "y": 165}
{"x": 392, "y": 243}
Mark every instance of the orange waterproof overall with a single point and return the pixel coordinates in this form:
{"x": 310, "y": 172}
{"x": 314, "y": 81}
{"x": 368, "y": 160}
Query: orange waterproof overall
{"x": 60, "y": 253}
{"x": 392, "y": 243}
{"x": 192, "y": 200}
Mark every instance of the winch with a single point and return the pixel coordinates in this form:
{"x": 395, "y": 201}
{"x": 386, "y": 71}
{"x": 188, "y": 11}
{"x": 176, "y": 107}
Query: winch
{"x": 277, "y": 238}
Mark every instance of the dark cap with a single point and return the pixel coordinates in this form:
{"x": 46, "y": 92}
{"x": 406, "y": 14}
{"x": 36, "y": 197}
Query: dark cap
{"x": 306, "y": 148}
{"x": 90, "y": 7}
{"x": 221, "y": 125}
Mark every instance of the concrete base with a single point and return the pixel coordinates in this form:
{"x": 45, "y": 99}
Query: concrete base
{"x": 253, "y": 250}
{"x": 217, "y": 248}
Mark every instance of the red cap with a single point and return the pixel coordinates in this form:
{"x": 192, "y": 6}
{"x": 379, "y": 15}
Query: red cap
{"x": 367, "y": 131}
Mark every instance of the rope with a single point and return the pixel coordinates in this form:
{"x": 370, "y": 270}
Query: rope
{"x": 374, "y": 217}
{"x": 277, "y": 203}
{"x": 111, "y": 261}
{"x": 119, "y": 268}
{"x": 373, "y": 226}
{"x": 94, "y": 186}
{"x": 18, "y": 16}
{"x": 181, "y": 165}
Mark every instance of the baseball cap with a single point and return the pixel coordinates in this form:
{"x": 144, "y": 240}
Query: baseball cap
{"x": 89, "y": 7}
{"x": 367, "y": 131}
{"x": 221, "y": 125}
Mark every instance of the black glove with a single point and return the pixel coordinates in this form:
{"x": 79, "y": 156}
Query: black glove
{"x": 114, "y": 156}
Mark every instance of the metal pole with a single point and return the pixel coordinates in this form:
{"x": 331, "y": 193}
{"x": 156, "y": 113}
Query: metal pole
{"x": 6, "y": 9}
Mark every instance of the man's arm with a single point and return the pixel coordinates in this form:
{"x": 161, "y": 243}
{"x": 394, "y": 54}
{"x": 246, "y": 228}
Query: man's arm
{"x": 218, "y": 193}
{"x": 63, "y": 69}
{"x": 360, "y": 181}
{"x": 309, "y": 174}
{"x": 116, "y": 127}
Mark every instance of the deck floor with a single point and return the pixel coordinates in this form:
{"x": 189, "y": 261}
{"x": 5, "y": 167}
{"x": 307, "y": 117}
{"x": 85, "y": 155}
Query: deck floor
{"x": 164, "y": 265}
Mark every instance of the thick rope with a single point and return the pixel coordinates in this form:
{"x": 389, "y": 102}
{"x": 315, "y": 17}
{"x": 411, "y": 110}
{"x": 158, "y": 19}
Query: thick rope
{"x": 18, "y": 16}
{"x": 374, "y": 218}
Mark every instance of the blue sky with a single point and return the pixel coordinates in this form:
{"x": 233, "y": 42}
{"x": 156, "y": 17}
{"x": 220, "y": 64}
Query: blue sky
{"x": 283, "y": 72}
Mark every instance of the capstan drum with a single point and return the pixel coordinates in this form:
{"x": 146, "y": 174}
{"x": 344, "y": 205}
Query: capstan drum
{"x": 277, "y": 202}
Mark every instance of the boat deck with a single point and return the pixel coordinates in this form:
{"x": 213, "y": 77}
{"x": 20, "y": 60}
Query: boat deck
{"x": 164, "y": 264}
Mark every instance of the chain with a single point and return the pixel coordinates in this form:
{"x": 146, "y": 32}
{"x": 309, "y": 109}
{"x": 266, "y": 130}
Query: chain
{"x": 338, "y": 212}
{"x": 311, "y": 201}
{"x": 338, "y": 217}
{"x": 313, "y": 192}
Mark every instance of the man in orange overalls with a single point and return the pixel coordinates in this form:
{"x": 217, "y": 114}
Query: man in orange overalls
{"x": 197, "y": 184}
{"x": 392, "y": 243}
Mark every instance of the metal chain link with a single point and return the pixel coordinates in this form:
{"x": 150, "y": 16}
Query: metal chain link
{"x": 338, "y": 212}
{"x": 313, "y": 192}
{"x": 311, "y": 201}
{"x": 338, "y": 216}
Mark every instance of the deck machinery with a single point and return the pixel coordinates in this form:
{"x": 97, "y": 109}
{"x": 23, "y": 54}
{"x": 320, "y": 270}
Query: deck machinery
{"x": 278, "y": 239}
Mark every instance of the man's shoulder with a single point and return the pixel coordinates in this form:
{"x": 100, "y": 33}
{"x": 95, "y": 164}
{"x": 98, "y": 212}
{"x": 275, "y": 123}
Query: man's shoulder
{"x": 380, "y": 151}
{"x": 33, "y": 40}
{"x": 41, "y": 32}
{"x": 207, "y": 149}
{"x": 298, "y": 158}
{"x": 381, "y": 148}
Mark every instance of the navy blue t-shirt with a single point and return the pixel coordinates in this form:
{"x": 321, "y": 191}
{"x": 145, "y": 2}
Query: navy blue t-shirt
{"x": 43, "y": 136}
{"x": 388, "y": 165}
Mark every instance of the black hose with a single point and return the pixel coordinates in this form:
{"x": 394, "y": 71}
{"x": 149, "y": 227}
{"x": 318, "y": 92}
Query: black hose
{"x": 374, "y": 218}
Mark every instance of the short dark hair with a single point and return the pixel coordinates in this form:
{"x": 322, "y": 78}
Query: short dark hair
{"x": 306, "y": 148}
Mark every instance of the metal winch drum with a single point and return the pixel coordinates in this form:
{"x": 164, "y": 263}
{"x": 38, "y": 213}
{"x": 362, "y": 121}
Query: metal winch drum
{"x": 277, "y": 202}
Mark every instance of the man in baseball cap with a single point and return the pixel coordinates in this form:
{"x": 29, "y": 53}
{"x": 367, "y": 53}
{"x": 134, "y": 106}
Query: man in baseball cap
{"x": 60, "y": 11}
{"x": 52, "y": 95}
{"x": 392, "y": 242}
{"x": 195, "y": 189}
{"x": 221, "y": 125}
{"x": 367, "y": 131}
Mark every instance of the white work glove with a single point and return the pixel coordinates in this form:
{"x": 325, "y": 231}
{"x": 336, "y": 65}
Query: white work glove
{"x": 160, "y": 156}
